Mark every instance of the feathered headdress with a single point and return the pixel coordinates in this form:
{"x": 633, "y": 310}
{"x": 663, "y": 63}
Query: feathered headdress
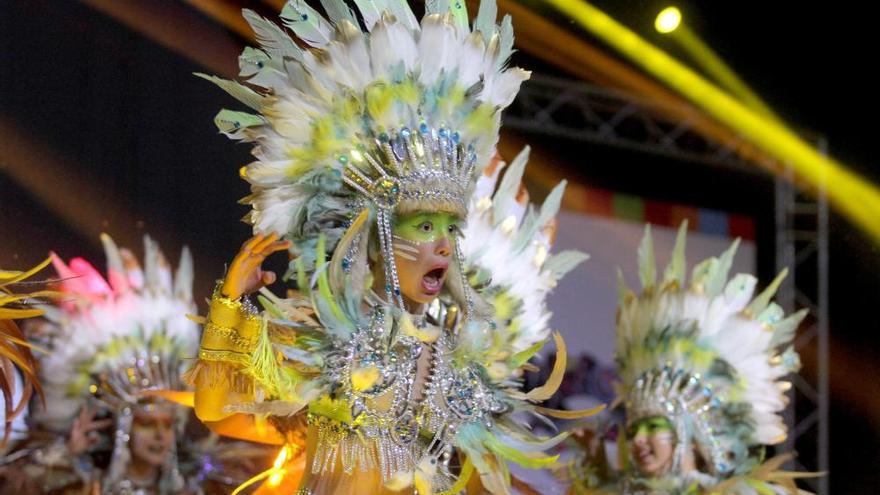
{"x": 506, "y": 247}
{"x": 706, "y": 355}
{"x": 398, "y": 116}
{"x": 116, "y": 337}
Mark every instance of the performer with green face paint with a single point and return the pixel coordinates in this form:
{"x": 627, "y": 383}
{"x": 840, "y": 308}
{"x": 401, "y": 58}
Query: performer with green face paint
{"x": 396, "y": 363}
{"x": 702, "y": 367}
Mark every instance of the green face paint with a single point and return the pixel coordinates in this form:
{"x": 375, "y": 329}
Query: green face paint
{"x": 649, "y": 426}
{"x": 427, "y": 227}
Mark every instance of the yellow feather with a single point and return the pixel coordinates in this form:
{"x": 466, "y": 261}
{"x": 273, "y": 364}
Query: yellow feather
{"x": 549, "y": 388}
{"x": 400, "y": 481}
{"x": 424, "y": 476}
{"x": 428, "y": 335}
{"x": 364, "y": 378}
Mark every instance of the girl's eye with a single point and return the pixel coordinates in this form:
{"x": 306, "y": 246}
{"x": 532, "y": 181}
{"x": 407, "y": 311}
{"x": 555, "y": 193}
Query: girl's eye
{"x": 453, "y": 229}
{"x": 426, "y": 227}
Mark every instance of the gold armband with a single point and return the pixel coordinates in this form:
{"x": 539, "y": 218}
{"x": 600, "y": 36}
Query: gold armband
{"x": 231, "y": 331}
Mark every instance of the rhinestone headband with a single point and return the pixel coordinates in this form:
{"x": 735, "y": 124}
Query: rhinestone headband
{"x": 674, "y": 393}
{"x": 427, "y": 167}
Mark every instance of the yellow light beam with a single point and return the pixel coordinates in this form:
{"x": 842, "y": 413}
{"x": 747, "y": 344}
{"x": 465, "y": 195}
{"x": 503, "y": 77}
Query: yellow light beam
{"x": 854, "y": 197}
{"x": 669, "y": 22}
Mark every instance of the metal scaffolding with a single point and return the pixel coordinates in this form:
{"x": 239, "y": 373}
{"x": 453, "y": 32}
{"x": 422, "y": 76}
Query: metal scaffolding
{"x": 802, "y": 248}
{"x": 585, "y": 112}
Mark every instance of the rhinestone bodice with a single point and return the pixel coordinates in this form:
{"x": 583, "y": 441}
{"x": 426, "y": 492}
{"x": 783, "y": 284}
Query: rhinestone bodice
{"x": 407, "y": 413}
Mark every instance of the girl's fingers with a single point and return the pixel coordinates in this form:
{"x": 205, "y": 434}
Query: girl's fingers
{"x": 280, "y": 246}
{"x": 99, "y": 425}
{"x": 250, "y": 243}
{"x": 261, "y": 246}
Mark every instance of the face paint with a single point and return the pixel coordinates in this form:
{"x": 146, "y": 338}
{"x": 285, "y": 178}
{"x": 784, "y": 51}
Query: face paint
{"x": 427, "y": 227}
{"x": 423, "y": 246}
{"x": 652, "y": 441}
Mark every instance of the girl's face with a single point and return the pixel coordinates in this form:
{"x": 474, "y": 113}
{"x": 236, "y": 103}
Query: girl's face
{"x": 423, "y": 245}
{"x": 652, "y": 442}
{"x": 152, "y": 435}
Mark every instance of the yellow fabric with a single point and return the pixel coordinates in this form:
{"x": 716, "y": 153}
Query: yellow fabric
{"x": 230, "y": 329}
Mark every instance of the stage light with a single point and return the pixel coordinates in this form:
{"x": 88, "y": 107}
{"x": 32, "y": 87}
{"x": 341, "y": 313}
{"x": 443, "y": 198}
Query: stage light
{"x": 668, "y": 20}
{"x": 853, "y": 196}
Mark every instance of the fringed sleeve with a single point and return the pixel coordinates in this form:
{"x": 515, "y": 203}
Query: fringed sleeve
{"x": 228, "y": 342}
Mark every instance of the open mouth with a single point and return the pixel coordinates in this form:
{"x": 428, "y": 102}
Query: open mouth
{"x": 432, "y": 282}
{"x": 156, "y": 449}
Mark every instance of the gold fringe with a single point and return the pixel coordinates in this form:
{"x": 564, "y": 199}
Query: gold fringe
{"x": 219, "y": 374}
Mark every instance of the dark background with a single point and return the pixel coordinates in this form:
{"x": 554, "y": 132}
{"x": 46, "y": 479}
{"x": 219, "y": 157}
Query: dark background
{"x": 102, "y": 129}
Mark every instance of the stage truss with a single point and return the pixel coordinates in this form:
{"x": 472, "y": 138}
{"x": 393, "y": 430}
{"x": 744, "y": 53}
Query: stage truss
{"x": 581, "y": 111}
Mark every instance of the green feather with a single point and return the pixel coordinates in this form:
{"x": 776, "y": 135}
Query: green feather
{"x": 232, "y": 123}
{"x": 459, "y": 14}
{"x": 241, "y": 93}
{"x": 522, "y": 357}
{"x": 622, "y": 289}
{"x": 524, "y": 459}
{"x": 718, "y": 276}
{"x": 323, "y": 282}
{"x": 759, "y": 303}
{"x": 676, "y": 269}
{"x": 647, "y": 263}
{"x": 307, "y": 23}
{"x": 563, "y": 262}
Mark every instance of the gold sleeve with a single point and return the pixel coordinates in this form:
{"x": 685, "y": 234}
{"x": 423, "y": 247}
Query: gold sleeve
{"x": 231, "y": 331}
{"x": 228, "y": 341}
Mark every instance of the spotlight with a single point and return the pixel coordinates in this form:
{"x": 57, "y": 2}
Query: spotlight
{"x": 668, "y": 20}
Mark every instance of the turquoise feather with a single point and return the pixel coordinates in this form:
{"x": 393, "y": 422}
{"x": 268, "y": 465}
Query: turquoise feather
{"x": 403, "y": 13}
{"x": 338, "y": 11}
{"x": 549, "y": 209}
{"x": 371, "y": 10}
{"x": 485, "y": 21}
{"x": 273, "y": 40}
{"x": 506, "y": 194}
{"x": 436, "y": 6}
{"x": 506, "y": 40}
{"x": 307, "y": 23}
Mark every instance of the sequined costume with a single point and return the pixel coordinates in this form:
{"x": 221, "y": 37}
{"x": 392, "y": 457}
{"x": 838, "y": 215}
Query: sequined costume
{"x": 109, "y": 342}
{"x": 708, "y": 360}
{"x": 358, "y": 130}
